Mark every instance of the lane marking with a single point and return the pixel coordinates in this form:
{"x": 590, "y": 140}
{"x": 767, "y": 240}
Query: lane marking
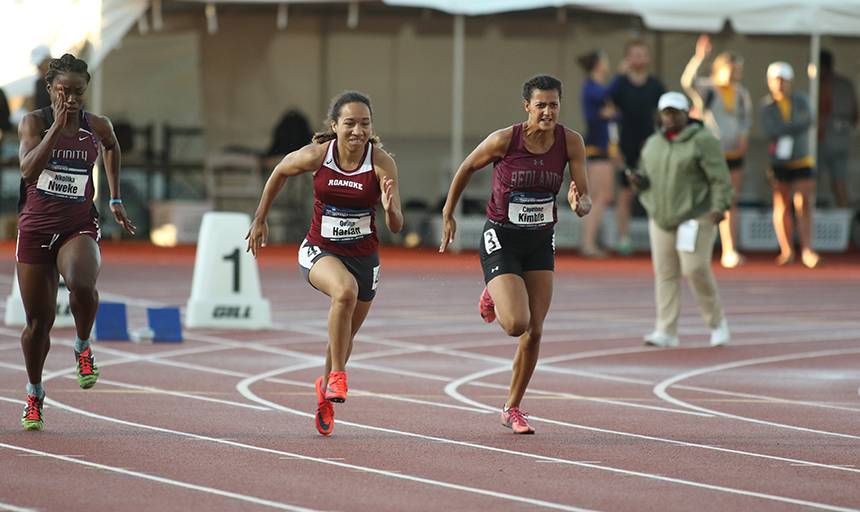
{"x": 328, "y": 461}
{"x": 13, "y": 508}
{"x": 244, "y": 388}
{"x": 162, "y": 480}
{"x": 661, "y": 389}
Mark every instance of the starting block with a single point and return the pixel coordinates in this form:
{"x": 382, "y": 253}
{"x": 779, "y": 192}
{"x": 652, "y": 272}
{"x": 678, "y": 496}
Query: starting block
{"x": 165, "y": 324}
{"x": 112, "y": 324}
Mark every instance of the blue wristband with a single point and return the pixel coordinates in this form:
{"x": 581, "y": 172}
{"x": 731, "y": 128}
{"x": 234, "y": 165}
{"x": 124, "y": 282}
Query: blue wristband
{"x": 115, "y": 201}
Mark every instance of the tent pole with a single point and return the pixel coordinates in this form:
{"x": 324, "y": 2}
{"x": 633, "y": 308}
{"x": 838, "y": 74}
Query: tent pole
{"x": 814, "y": 89}
{"x": 457, "y": 105}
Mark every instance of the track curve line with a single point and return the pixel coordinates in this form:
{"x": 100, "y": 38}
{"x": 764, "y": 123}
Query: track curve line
{"x": 661, "y": 389}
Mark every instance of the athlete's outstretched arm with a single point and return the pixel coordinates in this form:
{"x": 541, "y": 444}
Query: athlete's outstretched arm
{"x": 111, "y": 157}
{"x": 492, "y": 149}
{"x": 306, "y": 159}
{"x": 577, "y": 195}
{"x": 386, "y": 172}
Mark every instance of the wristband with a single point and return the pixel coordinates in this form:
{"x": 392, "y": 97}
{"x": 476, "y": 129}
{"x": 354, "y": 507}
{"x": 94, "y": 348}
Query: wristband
{"x": 115, "y": 201}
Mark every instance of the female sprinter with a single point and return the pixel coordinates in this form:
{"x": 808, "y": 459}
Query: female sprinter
{"x": 58, "y": 230}
{"x": 517, "y": 253}
{"x": 340, "y": 255}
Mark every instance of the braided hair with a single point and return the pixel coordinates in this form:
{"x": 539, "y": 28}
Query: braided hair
{"x": 68, "y": 63}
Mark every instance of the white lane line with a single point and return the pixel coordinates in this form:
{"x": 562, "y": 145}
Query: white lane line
{"x": 162, "y": 480}
{"x": 661, "y": 389}
{"x": 280, "y": 453}
{"x": 764, "y": 398}
{"x": 244, "y": 388}
{"x": 535, "y": 391}
{"x": 154, "y": 390}
{"x": 487, "y": 409}
{"x": 452, "y": 390}
{"x": 13, "y": 508}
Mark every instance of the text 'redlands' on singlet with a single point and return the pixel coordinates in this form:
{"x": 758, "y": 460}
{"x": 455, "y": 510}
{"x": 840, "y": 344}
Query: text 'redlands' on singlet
{"x": 62, "y": 198}
{"x": 525, "y": 184}
{"x": 345, "y": 206}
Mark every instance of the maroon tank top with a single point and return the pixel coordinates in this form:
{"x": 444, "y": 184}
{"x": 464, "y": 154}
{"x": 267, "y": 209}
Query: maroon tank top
{"x": 525, "y": 184}
{"x": 61, "y": 199}
{"x": 345, "y": 206}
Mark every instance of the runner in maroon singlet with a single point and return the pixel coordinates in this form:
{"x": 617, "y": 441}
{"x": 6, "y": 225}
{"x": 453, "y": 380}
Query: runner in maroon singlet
{"x": 58, "y": 229}
{"x": 517, "y": 250}
{"x": 340, "y": 256}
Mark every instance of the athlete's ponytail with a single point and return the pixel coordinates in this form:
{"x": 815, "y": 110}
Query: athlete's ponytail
{"x": 334, "y": 114}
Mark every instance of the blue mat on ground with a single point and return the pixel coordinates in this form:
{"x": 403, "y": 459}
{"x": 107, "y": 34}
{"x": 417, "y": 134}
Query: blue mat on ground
{"x": 165, "y": 323}
{"x": 111, "y": 322}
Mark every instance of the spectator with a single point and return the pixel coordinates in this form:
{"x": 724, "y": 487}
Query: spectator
{"x": 837, "y": 116}
{"x": 41, "y": 58}
{"x": 726, "y": 109}
{"x": 787, "y": 118}
{"x": 5, "y": 124}
{"x": 635, "y": 93}
{"x": 683, "y": 182}
{"x": 599, "y": 115}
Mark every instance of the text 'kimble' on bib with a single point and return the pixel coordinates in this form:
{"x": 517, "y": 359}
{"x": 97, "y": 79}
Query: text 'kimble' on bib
{"x": 225, "y": 289}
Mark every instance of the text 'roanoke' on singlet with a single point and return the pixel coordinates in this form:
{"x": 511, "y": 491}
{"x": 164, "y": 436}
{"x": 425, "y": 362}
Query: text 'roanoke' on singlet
{"x": 345, "y": 206}
{"x": 62, "y": 197}
{"x": 525, "y": 184}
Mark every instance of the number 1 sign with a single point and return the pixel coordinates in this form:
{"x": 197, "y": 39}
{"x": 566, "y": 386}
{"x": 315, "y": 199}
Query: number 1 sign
{"x": 225, "y": 290}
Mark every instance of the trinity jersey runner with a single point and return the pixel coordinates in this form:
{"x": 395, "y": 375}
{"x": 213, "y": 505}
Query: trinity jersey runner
{"x": 525, "y": 184}
{"x": 345, "y": 206}
{"x": 62, "y": 197}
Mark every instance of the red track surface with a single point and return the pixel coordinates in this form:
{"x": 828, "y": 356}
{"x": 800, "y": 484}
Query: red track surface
{"x": 224, "y": 420}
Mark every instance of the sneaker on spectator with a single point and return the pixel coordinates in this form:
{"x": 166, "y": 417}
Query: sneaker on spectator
{"x": 720, "y": 334}
{"x": 661, "y": 339}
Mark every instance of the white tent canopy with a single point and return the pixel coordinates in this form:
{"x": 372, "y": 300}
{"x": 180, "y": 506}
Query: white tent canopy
{"x": 99, "y": 25}
{"x": 837, "y": 17}
{"x": 63, "y": 26}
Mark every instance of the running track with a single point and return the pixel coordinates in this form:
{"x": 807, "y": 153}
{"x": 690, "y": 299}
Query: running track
{"x": 224, "y": 421}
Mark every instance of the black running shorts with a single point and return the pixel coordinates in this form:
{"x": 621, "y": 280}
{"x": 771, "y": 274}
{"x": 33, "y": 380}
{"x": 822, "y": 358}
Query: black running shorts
{"x": 507, "y": 249}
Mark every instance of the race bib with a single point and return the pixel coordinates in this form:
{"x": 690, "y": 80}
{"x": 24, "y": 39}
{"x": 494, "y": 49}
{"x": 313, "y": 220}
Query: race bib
{"x": 64, "y": 181}
{"x": 342, "y": 225}
{"x": 531, "y": 210}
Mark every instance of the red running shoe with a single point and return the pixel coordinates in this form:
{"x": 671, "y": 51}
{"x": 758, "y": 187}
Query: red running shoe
{"x": 325, "y": 411}
{"x": 516, "y": 421}
{"x": 487, "y": 307}
{"x": 336, "y": 390}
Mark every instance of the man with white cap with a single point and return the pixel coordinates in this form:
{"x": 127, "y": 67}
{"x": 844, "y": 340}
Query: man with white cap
{"x": 787, "y": 118}
{"x": 40, "y": 57}
{"x": 683, "y": 183}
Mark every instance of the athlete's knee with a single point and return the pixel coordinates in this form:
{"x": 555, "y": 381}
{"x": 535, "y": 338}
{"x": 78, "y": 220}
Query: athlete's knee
{"x": 515, "y": 326}
{"x": 82, "y": 292}
{"x": 346, "y": 296}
